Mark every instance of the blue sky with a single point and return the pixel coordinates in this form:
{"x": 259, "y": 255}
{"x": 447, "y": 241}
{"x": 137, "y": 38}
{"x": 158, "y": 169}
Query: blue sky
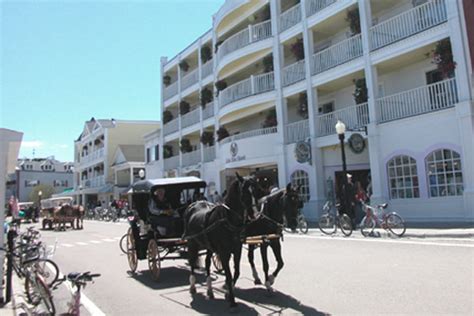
{"x": 63, "y": 62}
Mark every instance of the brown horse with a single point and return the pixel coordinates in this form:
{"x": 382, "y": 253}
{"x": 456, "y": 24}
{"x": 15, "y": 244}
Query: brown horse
{"x": 67, "y": 213}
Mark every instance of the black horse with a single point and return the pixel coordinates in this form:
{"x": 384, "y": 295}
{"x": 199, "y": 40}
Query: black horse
{"x": 219, "y": 229}
{"x": 284, "y": 202}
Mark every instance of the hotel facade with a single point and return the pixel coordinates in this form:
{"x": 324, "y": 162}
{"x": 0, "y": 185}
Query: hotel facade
{"x": 261, "y": 92}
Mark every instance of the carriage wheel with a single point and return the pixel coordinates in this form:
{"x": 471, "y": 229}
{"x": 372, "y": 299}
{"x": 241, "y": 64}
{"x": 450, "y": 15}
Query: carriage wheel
{"x": 216, "y": 261}
{"x": 131, "y": 252}
{"x": 153, "y": 256}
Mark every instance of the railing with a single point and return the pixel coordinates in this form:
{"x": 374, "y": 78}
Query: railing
{"x": 353, "y": 116}
{"x": 171, "y": 127}
{"x": 294, "y": 73}
{"x": 96, "y": 154}
{"x": 430, "y": 98}
{"x": 207, "y": 69}
{"x": 408, "y": 23}
{"x": 256, "y": 132}
{"x": 208, "y": 111}
{"x": 171, "y": 163}
{"x": 191, "y": 158}
{"x": 314, "y": 6}
{"x": 297, "y": 131}
{"x": 337, "y": 54}
{"x": 242, "y": 89}
{"x": 170, "y": 90}
{"x": 93, "y": 182}
{"x": 209, "y": 153}
{"x": 190, "y": 79}
{"x": 253, "y": 33}
{"x": 190, "y": 118}
{"x": 290, "y": 17}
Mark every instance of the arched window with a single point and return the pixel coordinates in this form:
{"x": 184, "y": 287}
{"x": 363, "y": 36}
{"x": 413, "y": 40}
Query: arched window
{"x": 300, "y": 178}
{"x": 403, "y": 178}
{"x": 444, "y": 173}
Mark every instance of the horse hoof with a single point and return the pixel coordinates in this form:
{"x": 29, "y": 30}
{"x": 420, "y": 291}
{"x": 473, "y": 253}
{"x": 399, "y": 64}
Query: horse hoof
{"x": 257, "y": 282}
{"x": 271, "y": 279}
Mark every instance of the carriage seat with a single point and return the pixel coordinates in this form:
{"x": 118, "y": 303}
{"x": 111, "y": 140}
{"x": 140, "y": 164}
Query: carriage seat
{"x": 166, "y": 226}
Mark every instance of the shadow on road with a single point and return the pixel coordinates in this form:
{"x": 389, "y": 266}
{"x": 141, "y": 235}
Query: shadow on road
{"x": 217, "y": 306}
{"x": 169, "y": 277}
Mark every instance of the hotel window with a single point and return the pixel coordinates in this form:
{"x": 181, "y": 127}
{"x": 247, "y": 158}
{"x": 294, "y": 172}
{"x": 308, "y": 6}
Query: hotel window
{"x": 444, "y": 173}
{"x": 157, "y": 152}
{"x": 403, "y": 178}
{"x": 31, "y": 183}
{"x": 148, "y": 155}
{"x": 300, "y": 178}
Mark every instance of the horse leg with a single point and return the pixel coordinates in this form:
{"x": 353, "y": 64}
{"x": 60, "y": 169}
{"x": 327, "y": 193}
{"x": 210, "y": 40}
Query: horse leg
{"x": 225, "y": 257}
{"x": 256, "y": 279}
{"x": 210, "y": 293}
{"x": 237, "y": 256}
{"x": 193, "y": 256}
{"x": 263, "y": 252}
{"x": 276, "y": 247}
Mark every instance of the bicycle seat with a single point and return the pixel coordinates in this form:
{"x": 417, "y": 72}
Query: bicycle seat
{"x": 383, "y": 205}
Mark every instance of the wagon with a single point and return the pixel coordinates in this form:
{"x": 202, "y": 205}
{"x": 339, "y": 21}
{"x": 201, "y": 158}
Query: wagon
{"x": 28, "y": 209}
{"x": 159, "y": 237}
{"x": 50, "y": 212}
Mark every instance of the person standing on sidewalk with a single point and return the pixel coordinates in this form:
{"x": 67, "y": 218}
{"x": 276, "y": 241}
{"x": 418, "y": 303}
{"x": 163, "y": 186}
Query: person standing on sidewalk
{"x": 360, "y": 195}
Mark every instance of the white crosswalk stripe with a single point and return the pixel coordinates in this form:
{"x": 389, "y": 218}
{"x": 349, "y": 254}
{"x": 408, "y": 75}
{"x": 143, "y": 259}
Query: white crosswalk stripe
{"x": 67, "y": 245}
{"x": 80, "y": 243}
{"x": 108, "y": 240}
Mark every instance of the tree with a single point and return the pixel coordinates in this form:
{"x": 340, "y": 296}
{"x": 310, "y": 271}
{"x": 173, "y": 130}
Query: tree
{"x": 46, "y": 192}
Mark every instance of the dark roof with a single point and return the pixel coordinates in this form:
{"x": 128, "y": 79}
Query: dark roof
{"x": 145, "y": 186}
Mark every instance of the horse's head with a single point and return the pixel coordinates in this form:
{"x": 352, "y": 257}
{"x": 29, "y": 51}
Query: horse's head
{"x": 292, "y": 202}
{"x": 243, "y": 196}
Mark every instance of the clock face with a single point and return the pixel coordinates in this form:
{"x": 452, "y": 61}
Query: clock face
{"x": 302, "y": 152}
{"x": 356, "y": 143}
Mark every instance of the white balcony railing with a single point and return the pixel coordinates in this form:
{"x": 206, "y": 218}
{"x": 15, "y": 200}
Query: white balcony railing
{"x": 242, "y": 89}
{"x": 429, "y": 98}
{"x": 314, "y": 6}
{"x": 171, "y": 127}
{"x": 170, "y": 90}
{"x": 171, "y": 163}
{"x": 93, "y": 182}
{"x": 406, "y": 24}
{"x": 297, "y": 131}
{"x": 96, "y": 154}
{"x": 190, "y": 118}
{"x": 337, "y": 54}
{"x": 208, "y": 111}
{"x": 290, "y": 17}
{"x": 254, "y": 133}
{"x": 209, "y": 153}
{"x": 353, "y": 116}
{"x": 251, "y": 34}
{"x": 189, "y": 79}
{"x": 191, "y": 158}
{"x": 207, "y": 69}
{"x": 294, "y": 73}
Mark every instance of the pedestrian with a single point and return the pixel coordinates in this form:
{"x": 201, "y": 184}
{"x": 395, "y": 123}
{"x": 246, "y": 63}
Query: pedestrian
{"x": 360, "y": 196}
{"x": 218, "y": 198}
{"x": 349, "y": 198}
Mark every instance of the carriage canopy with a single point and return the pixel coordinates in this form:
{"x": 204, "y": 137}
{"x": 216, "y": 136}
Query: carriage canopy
{"x": 55, "y": 202}
{"x": 177, "y": 184}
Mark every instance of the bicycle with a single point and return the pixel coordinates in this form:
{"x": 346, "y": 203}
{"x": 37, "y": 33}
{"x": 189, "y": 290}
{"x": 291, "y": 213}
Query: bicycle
{"x": 330, "y": 220}
{"x": 301, "y": 224}
{"x": 37, "y": 290}
{"x": 78, "y": 280}
{"x": 376, "y": 216}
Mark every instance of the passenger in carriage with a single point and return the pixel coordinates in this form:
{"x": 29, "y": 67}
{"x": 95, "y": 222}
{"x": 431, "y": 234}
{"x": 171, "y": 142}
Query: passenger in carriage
{"x": 163, "y": 217}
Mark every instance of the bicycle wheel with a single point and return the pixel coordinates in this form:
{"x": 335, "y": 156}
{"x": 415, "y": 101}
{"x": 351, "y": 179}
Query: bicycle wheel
{"x": 327, "y": 224}
{"x": 345, "y": 224}
{"x": 32, "y": 295}
{"x": 395, "y": 224}
{"x": 123, "y": 243}
{"x": 45, "y": 295}
{"x": 367, "y": 226}
{"x": 48, "y": 270}
{"x": 303, "y": 224}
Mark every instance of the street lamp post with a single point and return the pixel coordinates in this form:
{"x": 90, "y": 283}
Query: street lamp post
{"x": 340, "y": 130}
{"x": 141, "y": 174}
{"x": 36, "y": 214}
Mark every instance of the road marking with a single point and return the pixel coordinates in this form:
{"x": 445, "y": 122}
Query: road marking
{"x": 67, "y": 245}
{"x": 394, "y": 241}
{"x": 80, "y": 243}
{"x": 95, "y": 242}
{"x": 85, "y": 301}
{"x": 108, "y": 240}
{"x": 117, "y": 238}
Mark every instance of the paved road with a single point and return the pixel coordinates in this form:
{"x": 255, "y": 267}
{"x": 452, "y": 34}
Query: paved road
{"x": 327, "y": 275}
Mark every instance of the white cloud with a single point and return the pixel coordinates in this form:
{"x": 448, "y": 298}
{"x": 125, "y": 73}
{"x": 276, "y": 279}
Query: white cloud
{"x": 32, "y": 144}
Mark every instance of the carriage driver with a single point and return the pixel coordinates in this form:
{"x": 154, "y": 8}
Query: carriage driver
{"x": 161, "y": 204}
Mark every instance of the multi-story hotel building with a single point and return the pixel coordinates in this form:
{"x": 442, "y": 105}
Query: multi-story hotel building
{"x": 108, "y": 156}
{"x": 272, "y": 78}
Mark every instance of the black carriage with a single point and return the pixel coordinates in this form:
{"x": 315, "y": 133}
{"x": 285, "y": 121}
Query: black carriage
{"x": 156, "y": 234}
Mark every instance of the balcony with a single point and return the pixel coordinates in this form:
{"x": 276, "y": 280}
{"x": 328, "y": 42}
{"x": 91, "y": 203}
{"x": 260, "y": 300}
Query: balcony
{"x": 252, "y": 34}
{"x": 294, "y": 73}
{"x": 314, "y": 6}
{"x": 189, "y": 79}
{"x": 253, "y": 133}
{"x": 429, "y": 98}
{"x": 245, "y": 88}
{"x": 93, "y": 182}
{"x": 170, "y": 91}
{"x": 298, "y": 131}
{"x": 290, "y": 18}
{"x": 171, "y": 127}
{"x": 408, "y": 23}
{"x": 354, "y": 117}
{"x": 171, "y": 163}
{"x": 190, "y": 118}
{"x": 208, "y": 111}
{"x": 209, "y": 153}
{"x": 97, "y": 154}
{"x": 207, "y": 69}
{"x": 191, "y": 158}
{"x": 336, "y": 55}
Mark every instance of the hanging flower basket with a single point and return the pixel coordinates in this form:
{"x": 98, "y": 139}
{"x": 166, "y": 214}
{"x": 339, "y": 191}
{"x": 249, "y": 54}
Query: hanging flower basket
{"x": 442, "y": 56}
{"x": 270, "y": 119}
{"x": 207, "y": 138}
{"x": 167, "y": 116}
{"x": 206, "y": 54}
{"x": 222, "y": 133}
{"x": 184, "y": 107}
{"x": 352, "y": 16}
{"x": 206, "y": 97}
{"x": 267, "y": 63}
{"x": 185, "y": 145}
{"x": 183, "y": 65}
{"x": 166, "y": 80}
{"x": 220, "y": 85}
{"x": 167, "y": 151}
{"x": 303, "y": 105}
{"x": 360, "y": 92}
{"x": 297, "y": 48}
